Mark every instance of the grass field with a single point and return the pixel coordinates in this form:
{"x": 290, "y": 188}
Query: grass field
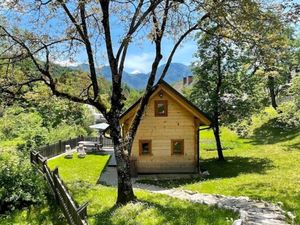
{"x": 81, "y": 175}
{"x": 264, "y": 167}
{"x": 267, "y": 167}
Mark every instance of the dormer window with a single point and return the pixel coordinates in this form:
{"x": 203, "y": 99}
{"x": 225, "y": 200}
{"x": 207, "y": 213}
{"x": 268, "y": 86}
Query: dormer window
{"x": 161, "y": 108}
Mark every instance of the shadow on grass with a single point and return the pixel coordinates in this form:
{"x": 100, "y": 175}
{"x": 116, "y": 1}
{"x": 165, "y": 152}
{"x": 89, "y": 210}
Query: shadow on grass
{"x": 232, "y": 167}
{"x": 162, "y": 211}
{"x": 292, "y": 147}
{"x": 54, "y": 213}
{"x": 104, "y": 217}
{"x": 268, "y": 134}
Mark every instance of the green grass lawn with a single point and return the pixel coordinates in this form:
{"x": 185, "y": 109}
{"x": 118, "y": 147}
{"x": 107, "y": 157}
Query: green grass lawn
{"x": 266, "y": 167}
{"x": 45, "y": 214}
{"x": 81, "y": 176}
{"x": 74, "y": 170}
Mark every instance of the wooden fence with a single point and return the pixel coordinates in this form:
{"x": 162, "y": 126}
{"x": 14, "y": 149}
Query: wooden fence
{"x": 58, "y": 148}
{"x": 75, "y": 215}
{"x": 107, "y": 142}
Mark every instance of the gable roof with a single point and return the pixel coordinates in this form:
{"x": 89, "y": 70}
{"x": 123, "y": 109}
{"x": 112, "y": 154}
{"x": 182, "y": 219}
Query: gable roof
{"x": 203, "y": 117}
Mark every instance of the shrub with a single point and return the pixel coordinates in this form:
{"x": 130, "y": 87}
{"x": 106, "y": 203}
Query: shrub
{"x": 64, "y": 132}
{"x": 289, "y": 117}
{"x": 20, "y": 184}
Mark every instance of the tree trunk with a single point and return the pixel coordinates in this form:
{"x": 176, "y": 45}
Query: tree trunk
{"x": 271, "y": 86}
{"x": 125, "y": 190}
{"x": 216, "y": 126}
{"x": 216, "y": 130}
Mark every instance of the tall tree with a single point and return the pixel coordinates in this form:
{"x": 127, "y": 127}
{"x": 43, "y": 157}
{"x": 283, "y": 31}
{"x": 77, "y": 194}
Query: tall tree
{"x": 222, "y": 85}
{"x": 47, "y": 31}
{"x": 275, "y": 56}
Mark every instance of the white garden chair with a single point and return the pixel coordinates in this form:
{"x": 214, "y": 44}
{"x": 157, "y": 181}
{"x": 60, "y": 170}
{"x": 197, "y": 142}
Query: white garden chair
{"x": 69, "y": 153}
{"x": 80, "y": 151}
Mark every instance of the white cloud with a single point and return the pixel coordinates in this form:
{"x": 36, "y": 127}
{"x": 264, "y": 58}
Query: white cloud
{"x": 138, "y": 63}
{"x": 135, "y": 72}
{"x": 65, "y": 62}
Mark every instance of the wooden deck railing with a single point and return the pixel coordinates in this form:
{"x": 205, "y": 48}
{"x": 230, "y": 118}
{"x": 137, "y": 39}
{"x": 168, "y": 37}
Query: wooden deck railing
{"x": 58, "y": 148}
{"x": 75, "y": 215}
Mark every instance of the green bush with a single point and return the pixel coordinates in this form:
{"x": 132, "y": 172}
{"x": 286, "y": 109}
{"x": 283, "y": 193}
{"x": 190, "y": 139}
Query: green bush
{"x": 285, "y": 119}
{"x": 23, "y": 128}
{"x": 65, "y": 132}
{"x": 289, "y": 116}
{"x": 20, "y": 184}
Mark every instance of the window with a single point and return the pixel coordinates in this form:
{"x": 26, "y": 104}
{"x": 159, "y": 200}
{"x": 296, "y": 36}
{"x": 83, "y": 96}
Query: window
{"x": 161, "y": 107}
{"x": 145, "y": 147}
{"x": 177, "y": 146}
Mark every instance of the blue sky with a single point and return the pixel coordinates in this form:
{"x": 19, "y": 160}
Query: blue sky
{"x": 140, "y": 55}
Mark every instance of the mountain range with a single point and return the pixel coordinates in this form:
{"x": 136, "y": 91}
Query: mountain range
{"x": 175, "y": 73}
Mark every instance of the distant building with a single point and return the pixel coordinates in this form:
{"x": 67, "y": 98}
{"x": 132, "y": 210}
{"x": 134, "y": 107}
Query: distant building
{"x": 187, "y": 80}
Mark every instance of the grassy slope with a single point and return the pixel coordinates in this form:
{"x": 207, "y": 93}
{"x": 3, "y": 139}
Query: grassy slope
{"x": 264, "y": 167}
{"x": 81, "y": 176}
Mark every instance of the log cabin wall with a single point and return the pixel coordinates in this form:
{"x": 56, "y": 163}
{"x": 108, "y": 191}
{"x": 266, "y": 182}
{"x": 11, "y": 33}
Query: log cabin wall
{"x": 179, "y": 124}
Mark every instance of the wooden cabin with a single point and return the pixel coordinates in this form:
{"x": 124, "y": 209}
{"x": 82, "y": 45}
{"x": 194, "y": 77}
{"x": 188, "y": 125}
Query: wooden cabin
{"x": 167, "y": 139}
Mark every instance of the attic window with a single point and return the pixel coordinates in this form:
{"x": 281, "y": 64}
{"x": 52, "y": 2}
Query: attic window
{"x": 177, "y": 146}
{"x": 161, "y": 107}
{"x": 145, "y": 147}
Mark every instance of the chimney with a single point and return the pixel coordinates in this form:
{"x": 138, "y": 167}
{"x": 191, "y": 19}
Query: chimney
{"x": 189, "y": 80}
{"x": 184, "y": 80}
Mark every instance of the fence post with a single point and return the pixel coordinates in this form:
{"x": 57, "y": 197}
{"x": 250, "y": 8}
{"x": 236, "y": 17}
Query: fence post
{"x": 60, "y": 146}
{"x": 55, "y": 171}
{"x": 31, "y": 157}
{"x": 82, "y": 210}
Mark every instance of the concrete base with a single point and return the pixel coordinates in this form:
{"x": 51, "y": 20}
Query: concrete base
{"x": 171, "y": 176}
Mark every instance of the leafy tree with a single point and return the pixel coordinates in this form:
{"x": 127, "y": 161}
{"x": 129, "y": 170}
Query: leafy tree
{"x": 295, "y": 91}
{"x": 132, "y": 96}
{"x": 20, "y": 184}
{"x": 276, "y": 57}
{"x": 23, "y": 126}
{"x": 87, "y": 26}
{"x": 223, "y": 86}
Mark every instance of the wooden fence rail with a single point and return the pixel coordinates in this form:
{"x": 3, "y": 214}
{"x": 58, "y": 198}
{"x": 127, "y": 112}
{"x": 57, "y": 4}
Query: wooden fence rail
{"x": 75, "y": 215}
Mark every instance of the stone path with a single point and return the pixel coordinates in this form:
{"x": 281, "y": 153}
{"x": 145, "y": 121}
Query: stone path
{"x": 251, "y": 212}
{"x": 110, "y": 151}
{"x": 109, "y": 176}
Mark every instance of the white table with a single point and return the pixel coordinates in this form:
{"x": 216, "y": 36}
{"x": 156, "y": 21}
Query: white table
{"x": 89, "y": 145}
